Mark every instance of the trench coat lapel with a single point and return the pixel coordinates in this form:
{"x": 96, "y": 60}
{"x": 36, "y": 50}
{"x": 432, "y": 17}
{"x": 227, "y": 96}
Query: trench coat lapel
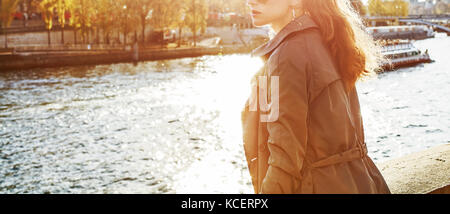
{"x": 254, "y": 133}
{"x": 298, "y": 24}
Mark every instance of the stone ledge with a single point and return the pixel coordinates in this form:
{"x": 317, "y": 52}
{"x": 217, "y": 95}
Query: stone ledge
{"x": 423, "y": 172}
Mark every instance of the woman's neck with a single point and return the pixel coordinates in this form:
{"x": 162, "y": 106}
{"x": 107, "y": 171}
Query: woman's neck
{"x": 280, "y": 23}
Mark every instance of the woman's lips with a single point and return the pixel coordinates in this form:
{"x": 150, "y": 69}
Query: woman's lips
{"x": 255, "y": 12}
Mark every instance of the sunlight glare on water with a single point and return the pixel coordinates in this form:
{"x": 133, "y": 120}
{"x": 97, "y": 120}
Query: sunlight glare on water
{"x": 229, "y": 90}
{"x": 173, "y": 126}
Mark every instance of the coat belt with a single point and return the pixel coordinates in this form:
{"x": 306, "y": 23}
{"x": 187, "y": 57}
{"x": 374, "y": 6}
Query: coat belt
{"x": 355, "y": 153}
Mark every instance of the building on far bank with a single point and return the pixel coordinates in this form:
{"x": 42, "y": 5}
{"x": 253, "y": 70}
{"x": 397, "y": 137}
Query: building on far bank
{"x": 429, "y": 7}
{"x": 242, "y": 21}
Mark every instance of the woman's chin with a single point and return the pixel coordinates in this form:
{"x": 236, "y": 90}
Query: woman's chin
{"x": 259, "y": 23}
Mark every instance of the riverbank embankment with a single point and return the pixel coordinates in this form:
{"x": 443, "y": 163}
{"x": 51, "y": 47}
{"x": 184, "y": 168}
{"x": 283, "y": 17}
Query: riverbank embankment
{"x": 41, "y": 58}
{"x": 425, "y": 172}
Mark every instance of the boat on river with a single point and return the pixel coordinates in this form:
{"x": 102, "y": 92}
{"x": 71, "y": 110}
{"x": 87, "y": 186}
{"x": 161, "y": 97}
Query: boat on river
{"x": 416, "y": 32}
{"x": 402, "y": 54}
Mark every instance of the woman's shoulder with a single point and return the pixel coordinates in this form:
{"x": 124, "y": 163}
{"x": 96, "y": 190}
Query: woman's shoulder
{"x": 305, "y": 51}
{"x": 305, "y": 46}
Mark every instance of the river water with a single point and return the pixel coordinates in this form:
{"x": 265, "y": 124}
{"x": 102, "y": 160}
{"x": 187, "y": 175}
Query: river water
{"x": 174, "y": 126}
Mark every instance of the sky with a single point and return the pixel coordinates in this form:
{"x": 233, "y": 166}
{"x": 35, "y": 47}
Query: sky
{"x": 365, "y": 1}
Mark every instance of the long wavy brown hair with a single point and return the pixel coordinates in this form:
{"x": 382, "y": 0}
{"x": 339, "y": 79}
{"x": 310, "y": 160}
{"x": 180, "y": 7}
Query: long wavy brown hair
{"x": 356, "y": 53}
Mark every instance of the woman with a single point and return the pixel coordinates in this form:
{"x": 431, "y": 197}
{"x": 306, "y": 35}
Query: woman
{"x": 312, "y": 139}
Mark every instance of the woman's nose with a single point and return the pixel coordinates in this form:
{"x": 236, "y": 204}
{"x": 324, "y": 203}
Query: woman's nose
{"x": 251, "y": 2}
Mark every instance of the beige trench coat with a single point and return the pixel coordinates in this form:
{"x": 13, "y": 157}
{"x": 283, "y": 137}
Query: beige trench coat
{"x": 317, "y": 143}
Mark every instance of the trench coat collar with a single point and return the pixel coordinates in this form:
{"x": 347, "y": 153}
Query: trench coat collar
{"x": 298, "y": 24}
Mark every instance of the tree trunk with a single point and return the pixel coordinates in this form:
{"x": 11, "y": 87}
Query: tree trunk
{"x": 98, "y": 35}
{"x": 83, "y": 34}
{"x": 195, "y": 24}
{"x": 179, "y": 36}
{"x": 75, "y": 35}
{"x": 125, "y": 37}
{"x": 92, "y": 32}
{"x": 89, "y": 32}
{"x": 104, "y": 35}
{"x": 48, "y": 37}
{"x": 125, "y": 30}
{"x": 118, "y": 36}
{"x": 143, "y": 31}
{"x": 62, "y": 35}
{"x": 6, "y": 39}
{"x": 163, "y": 41}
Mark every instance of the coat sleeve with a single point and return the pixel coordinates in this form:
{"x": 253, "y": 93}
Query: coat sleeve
{"x": 288, "y": 134}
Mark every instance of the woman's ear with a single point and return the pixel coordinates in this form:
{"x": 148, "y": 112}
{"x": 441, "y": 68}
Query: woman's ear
{"x": 296, "y": 4}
